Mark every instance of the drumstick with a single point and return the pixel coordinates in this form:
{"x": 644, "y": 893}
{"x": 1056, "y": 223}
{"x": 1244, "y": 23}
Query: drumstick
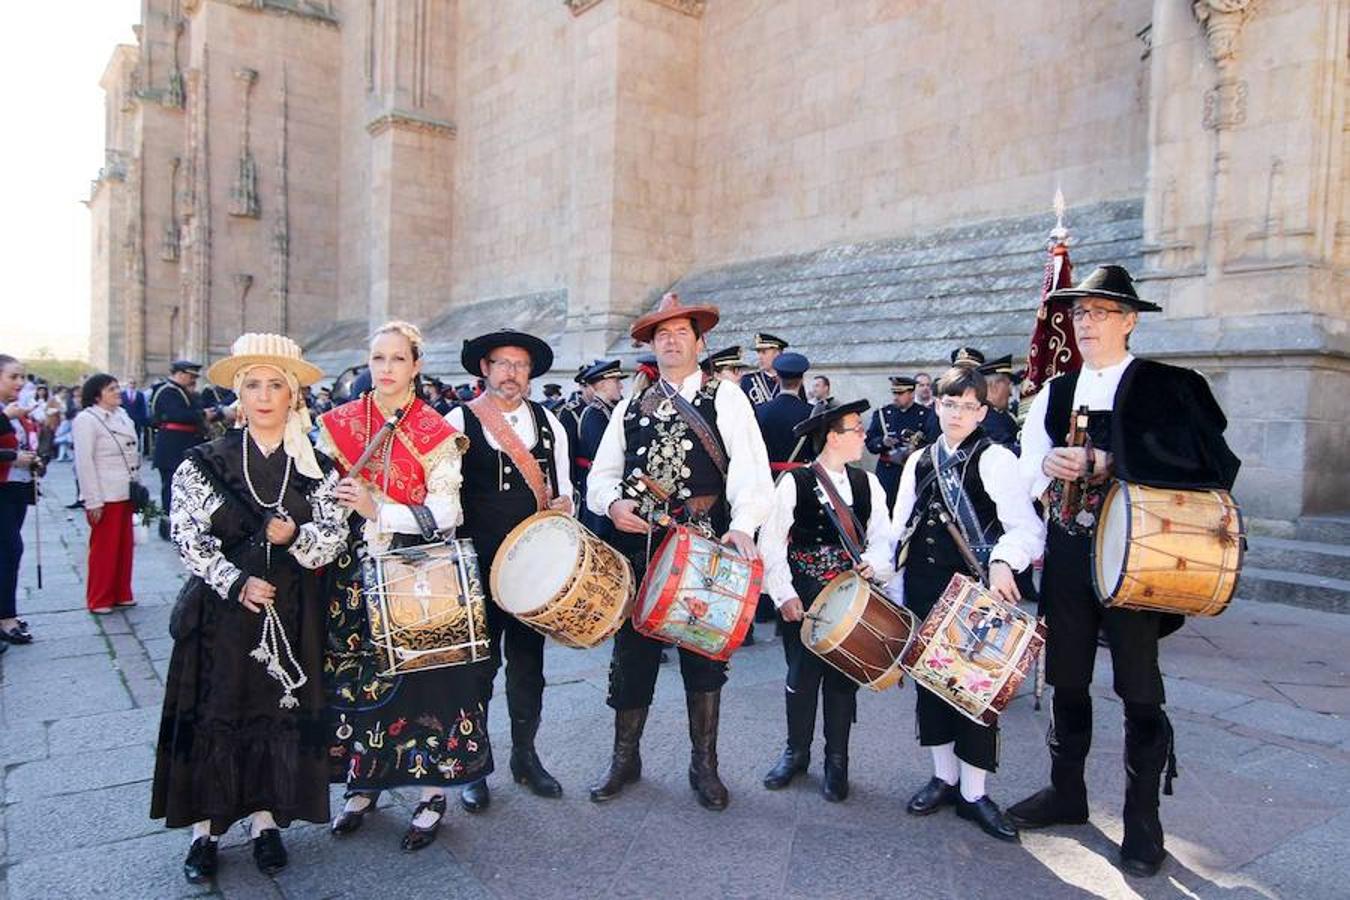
{"x": 386, "y": 430}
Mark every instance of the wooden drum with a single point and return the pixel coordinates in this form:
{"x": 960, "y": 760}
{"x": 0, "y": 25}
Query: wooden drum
{"x": 853, "y": 627}
{"x": 1168, "y": 550}
{"x": 557, "y": 577}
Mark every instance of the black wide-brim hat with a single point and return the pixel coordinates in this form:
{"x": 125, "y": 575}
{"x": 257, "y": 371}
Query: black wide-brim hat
{"x": 823, "y": 415}
{"x": 476, "y": 349}
{"x": 1108, "y": 283}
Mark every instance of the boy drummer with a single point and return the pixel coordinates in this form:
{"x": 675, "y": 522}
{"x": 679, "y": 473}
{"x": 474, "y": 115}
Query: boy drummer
{"x": 974, "y": 483}
{"x": 803, "y": 548}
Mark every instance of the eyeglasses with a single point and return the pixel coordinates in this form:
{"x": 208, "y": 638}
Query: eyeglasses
{"x": 954, "y": 406}
{"x": 856, "y": 429}
{"x": 506, "y": 365}
{"x": 1096, "y": 313}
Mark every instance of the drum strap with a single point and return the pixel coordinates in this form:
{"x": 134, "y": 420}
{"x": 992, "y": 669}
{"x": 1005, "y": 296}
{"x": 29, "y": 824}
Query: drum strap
{"x": 511, "y": 444}
{"x": 426, "y": 522}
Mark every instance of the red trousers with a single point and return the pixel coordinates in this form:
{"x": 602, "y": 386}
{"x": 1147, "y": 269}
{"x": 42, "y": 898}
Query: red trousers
{"x": 108, "y": 580}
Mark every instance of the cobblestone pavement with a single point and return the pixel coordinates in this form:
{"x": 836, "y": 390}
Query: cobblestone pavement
{"x": 1260, "y": 698}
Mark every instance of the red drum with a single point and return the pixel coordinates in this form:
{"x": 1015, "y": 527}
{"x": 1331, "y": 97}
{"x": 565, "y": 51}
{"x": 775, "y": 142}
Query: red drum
{"x": 698, "y": 594}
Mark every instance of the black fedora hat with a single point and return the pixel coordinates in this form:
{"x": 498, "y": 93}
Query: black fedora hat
{"x": 823, "y": 415}
{"x": 475, "y": 349}
{"x": 1108, "y": 283}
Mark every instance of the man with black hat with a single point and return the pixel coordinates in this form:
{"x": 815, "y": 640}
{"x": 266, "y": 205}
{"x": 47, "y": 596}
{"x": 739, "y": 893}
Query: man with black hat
{"x": 517, "y": 464}
{"x": 762, "y": 385}
{"x": 999, "y": 424}
{"x": 695, "y": 439}
{"x": 1150, "y": 424}
{"x": 180, "y": 420}
{"x": 803, "y": 544}
{"x": 605, "y": 379}
{"x": 896, "y": 430}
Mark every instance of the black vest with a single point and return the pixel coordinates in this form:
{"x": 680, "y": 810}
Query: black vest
{"x": 811, "y": 525}
{"x": 495, "y": 496}
{"x": 932, "y": 546}
{"x": 1059, "y": 412}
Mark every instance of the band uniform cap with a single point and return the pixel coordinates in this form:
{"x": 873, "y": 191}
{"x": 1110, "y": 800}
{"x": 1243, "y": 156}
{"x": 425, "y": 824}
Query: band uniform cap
{"x": 185, "y": 365}
{"x": 254, "y": 349}
{"x": 580, "y": 377}
{"x": 1001, "y": 366}
{"x": 476, "y": 349}
{"x": 967, "y": 356}
{"x": 726, "y": 358}
{"x": 825, "y": 414}
{"x": 766, "y": 341}
{"x": 902, "y": 383}
{"x": 552, "y": 388}
{"x": 601, "y": 369}
{"x": 1108, "y": 283}
{"x": 704, "y": 316}
{"x": 791, "y": 365}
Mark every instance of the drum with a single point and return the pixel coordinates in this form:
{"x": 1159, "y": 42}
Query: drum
{"x": 853, "y": 627}
{"x": 698, "y": 594}
{"x": 425, "y": 607}
{"x": 974, "y": 650}
{"x": 1167, "y": 550}
{"x": 557, "y": 577}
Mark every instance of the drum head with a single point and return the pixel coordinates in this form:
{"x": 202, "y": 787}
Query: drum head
{"x": 1112, "y": 541}
{"x": 836, "y": 612}
{"x": 657, "y": 575}
{"x": 533, "y": 569}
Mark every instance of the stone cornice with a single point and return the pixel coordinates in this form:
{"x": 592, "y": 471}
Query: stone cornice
{"x": 692, "y": 8}
{"x": 401, "y": 120}
{"x": 321, "y": 12}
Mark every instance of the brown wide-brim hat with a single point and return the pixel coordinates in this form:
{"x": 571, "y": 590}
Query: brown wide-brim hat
{"x": 703, "y": 316}
{"x": 1108, "y": 283}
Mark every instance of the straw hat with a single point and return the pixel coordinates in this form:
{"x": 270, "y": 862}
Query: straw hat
{"x": 274, "y": 350}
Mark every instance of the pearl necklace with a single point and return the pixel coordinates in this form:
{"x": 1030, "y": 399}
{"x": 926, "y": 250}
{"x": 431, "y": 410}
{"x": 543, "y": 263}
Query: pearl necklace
{"x": 248, "y": 480}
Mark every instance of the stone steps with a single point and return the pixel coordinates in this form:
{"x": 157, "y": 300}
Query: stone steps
{"x": 1307, "y": 557}
{"x": 1295, "y": 589}
{"x": 1333, "y": 528}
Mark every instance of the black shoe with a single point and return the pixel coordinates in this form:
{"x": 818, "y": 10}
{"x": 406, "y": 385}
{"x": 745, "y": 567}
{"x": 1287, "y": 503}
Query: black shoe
{"x": 19, "y": 634}
{"x": 475, "y": 796}
{"x": 350, "y": 820}
{"x": 417, "y": 837}
{"x": 269, "y": 854}
{"x": 986, "y": 814}
{"x": 1141, "y": 868}
{"x": 200, "y": 865}
{"x": 834, "y": 787}
{"x": 791, "y": 764}
{"x": 1048, "y": 807}
{"x": 527, "y": 769}
{"x": 931, "y": 797}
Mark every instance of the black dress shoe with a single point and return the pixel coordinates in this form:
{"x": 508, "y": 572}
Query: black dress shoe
{"x": 417, "y": 837}
{"x": 986, "y": 814}
{"x": 200, "y": 865}
{"x": 931, "y": 797}
{"x": 1048, "y": 807}
{"x": 1141, "y": 868}
{"x": 527, "y": 769}
{"x": 475, "y": 796}
{"x": 269, "y": 854}
{"x": 791, "y": 764}
{"x": 16, "y": 635}
{"x": 350, "y": 820}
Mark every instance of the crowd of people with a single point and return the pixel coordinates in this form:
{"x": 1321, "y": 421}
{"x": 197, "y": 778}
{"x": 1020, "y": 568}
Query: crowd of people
{"x": 276, "y": 489}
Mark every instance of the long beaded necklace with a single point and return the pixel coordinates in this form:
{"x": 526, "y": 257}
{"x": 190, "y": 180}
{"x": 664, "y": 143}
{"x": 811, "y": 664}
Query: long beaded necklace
{"x": 385, "y": 452}
{"x": 274, "y": 648}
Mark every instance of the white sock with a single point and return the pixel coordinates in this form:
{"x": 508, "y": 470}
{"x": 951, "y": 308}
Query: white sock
{"x": 427, "y": 817}
{"x": 945, "y": 764}
{"x": 259, "y": 822}
{"x": 972, "y": 782}
{"x": 357, "y": 803}
{"x": 202, "y": 829}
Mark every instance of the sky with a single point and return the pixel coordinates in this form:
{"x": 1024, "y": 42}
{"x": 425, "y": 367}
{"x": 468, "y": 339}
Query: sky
{"x": 51, "y": 151}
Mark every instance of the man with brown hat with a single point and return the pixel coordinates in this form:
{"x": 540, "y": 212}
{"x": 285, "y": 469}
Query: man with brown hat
{"x": 695, "y": 438}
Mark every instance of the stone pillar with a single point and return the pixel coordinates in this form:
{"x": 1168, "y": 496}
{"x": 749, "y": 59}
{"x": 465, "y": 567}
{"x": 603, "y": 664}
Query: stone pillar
{"x": 410, "y": 76}
{"x": 634, "y": 128}
{"x": 1244, "y": 223}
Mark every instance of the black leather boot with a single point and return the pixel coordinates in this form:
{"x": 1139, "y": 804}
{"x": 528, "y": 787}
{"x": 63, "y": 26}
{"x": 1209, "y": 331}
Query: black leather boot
{"x": 625, "y": 767}
{"x": 1148, "y": 754}
{"x": 1069, "y": 738}
{"x": 704, "y": 711}
{"x": 801, "y": 725}
{"x": 840, "y": 711}
{"x": 525, "y": 765}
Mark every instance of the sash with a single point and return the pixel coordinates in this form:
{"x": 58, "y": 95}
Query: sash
{"x": 399, "y": 471}
{"x": 841, "y": 515}
{"x": 697, "y": 424}
{"x": 951, "y": 471}
{"x": 496, "y": 425}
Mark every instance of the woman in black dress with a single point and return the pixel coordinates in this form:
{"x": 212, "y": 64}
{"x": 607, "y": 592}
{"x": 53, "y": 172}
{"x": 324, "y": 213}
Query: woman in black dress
{"x": 254, "y": 514}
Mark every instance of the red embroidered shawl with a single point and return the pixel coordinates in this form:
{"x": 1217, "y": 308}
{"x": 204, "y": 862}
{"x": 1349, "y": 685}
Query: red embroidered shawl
{"x": 421, "y": 437}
